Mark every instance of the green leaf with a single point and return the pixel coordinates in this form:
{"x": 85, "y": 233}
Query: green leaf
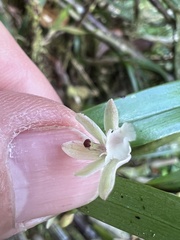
{"x": 61, "y": 19}
{"x": 154, "y": 112}
{"x": 139, "y": 209}
{"x": 170, "y": 182}
{"x": 60, "y": 24}
{"x": 72, "y": 30}
{"x": 133, "y": 207}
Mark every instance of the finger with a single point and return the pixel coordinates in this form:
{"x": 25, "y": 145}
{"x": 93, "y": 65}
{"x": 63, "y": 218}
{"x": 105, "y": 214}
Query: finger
{"x": 18, "y": 72}
{"x": 37, "y": 176}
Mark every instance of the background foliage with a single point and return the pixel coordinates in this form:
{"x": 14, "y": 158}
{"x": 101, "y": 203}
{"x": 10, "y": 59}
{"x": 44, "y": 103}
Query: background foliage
{"x": 95, "y": 50}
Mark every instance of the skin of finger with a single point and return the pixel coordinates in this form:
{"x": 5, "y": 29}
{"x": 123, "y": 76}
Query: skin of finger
{"x": 21, "y": 112}
{"x": 18, "y": 73}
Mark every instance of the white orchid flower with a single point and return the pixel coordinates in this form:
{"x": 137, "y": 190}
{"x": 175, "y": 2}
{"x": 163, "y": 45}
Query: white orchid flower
{"x": 108, "y": 153}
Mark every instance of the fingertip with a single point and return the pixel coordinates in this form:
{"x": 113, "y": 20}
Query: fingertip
{"x": 39, "y": 176}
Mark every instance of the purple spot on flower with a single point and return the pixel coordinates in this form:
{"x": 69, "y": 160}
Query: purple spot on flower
{"x": 87, "y": 143}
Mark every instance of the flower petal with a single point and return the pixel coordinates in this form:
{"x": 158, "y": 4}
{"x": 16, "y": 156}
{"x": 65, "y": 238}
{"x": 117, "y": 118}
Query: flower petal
{"x": 117, "y": 147}
{"x": 76, "y": 149}
{"x": 91, "y": 127}
{"x": 128, "y": 131}
{"x": 108, "y": 176}
{"x": 107, "y": 180}
{"x": 91, "y": 168}
{"x": 111, "y": 118}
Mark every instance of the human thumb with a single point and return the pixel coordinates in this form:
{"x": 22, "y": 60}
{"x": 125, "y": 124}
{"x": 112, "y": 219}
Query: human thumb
{"x": 36, "y": 177}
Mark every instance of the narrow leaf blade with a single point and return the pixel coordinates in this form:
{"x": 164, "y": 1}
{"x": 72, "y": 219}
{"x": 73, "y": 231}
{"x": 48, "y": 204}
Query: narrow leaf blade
{"x": 140, "y": 210}
{"x": 154, "y": 112}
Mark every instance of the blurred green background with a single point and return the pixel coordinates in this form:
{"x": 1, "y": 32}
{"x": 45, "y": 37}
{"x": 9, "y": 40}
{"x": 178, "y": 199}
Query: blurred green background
{"x": 93, "y": 50}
